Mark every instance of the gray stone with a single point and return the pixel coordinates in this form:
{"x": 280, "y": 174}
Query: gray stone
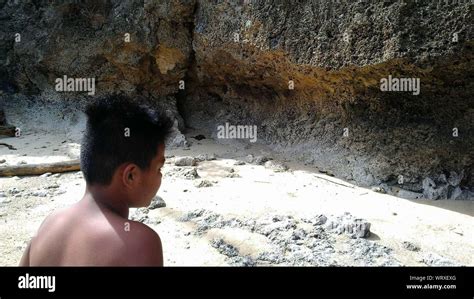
{"x": 39, "y": 193}
{"x": 355, "y": 227}
{"x": 176, "y": 139}
{"x": 319, "y": 220}
{"x": 456, "y": 193}
{"x": 206, "y": 157}
{"x": 232, "y": 175}
{"x": 276, "y": 167}
{"x": 140, "y": 215}
{"x": 53, "y": 186}
{"x": 455, "y": 179}
{"x": 406, "y": 193}
{"x": 260, "y": 160}
{"x": 410, "y": 246}
{"x": 433, "y": 259}
{"x": 224, "y": 248}
{"x": 432, "y": 191}
{"x": 203, "y": 184}
{"x": 185, "y": 161}
{"x": 14, "y": 190}
{"x": 190, "y": 174}
{"x": 156, "y": 203}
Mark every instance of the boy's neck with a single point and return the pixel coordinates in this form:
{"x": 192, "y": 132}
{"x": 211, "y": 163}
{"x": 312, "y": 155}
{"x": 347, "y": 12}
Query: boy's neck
{"x": 105, "y": 200}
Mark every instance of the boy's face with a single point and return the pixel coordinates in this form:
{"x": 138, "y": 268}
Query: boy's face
{"x": 150, "y": 179}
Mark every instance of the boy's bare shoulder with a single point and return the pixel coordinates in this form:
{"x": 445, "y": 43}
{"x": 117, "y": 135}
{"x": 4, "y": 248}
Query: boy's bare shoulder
{"x": 108, "y": 240}
{"x": 142, "y": 245}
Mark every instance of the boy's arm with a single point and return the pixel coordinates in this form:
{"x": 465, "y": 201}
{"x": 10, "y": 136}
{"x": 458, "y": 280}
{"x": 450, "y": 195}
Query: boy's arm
{"x": 153, "y": 251}
{"x": 25, "y": 259}
{"x": 145, "y": 247}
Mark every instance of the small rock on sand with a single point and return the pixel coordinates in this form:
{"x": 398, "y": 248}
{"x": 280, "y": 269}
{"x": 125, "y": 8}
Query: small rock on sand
{"x": 356, "y": 228}
{"x": 190, "y": 174}
{"x": 44, "y": 175}
{"x": 432, "y": 259}
{"x": 410, "y": 246}
{"x": 13, "y": 191}
{"x": 185, "y": 161}
{"x": 39, "y": 193}
{"x": 275, "y": 166}
{"x": 140, "y": 215}
{"x": 206, "y": 157}
{"x": 203, "y": 183}
{"x": 259, "y": 160}
{"x": 157, "y": 202}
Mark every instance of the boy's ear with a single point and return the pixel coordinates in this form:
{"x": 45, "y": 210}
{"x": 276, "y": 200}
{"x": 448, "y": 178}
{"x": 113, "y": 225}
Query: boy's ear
{"x": 130, "y": 175}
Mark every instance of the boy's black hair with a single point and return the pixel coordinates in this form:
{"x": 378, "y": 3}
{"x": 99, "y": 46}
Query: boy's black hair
{"x": 119, "y": 131}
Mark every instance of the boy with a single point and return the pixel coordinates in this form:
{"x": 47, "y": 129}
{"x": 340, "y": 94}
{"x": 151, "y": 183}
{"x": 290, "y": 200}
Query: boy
{"x": 122, "y": 154}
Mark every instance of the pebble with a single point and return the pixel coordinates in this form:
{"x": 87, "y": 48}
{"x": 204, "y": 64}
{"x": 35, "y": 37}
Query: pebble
{"x": 259, "y": 160}
{"x": 203, "y": 183}
{"x": 185, "y": 161}
{"x": 356, "y": 228}
{"x": 276, "y": 167}
{"x": 189, "y": 174}
{"x": 206, "y": 157}
{"x": 433, "y": 259}
{"x": 410, "y": 246}
{"x": 53, "y": 186}
{"x": 233, "y": 175}
{"x": 156, "y": 203}
{"x": 44, "y": 175}
{"x": 14, "y": 191}
{"x": 2, "y": 161}
{"x": 39, "y": 193}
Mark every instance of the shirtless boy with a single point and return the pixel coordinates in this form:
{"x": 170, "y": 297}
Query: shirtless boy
{"x": 121, "y": 157}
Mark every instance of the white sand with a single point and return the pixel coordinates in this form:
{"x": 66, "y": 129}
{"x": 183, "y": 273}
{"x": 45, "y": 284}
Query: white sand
{"x": 441, "y": 227}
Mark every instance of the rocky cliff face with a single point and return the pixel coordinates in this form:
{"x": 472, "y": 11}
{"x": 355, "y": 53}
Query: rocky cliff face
{"x": 307, "y": 73}
{"x": 136, "y": 47}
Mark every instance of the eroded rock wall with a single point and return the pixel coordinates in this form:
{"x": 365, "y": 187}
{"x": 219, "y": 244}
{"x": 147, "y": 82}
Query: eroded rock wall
{"x": 135, "y": 47}
{"x": 237, "y": 59}
{"x": 246, "y": 52}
